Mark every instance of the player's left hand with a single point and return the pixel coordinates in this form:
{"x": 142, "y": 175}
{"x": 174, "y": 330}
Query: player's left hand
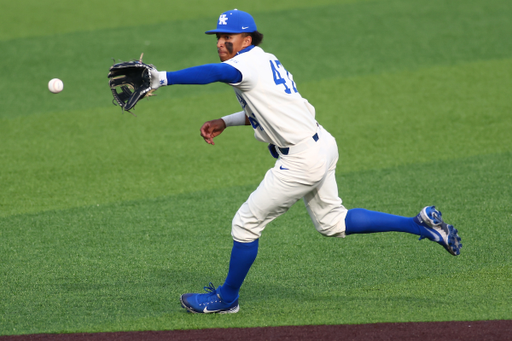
{"x": 211, "y": 129}
{"x": 130, "y": 82}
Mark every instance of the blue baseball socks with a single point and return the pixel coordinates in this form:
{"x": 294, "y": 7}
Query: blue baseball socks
{"x": 359, "y": 220}
{"x": 242, "y": 257}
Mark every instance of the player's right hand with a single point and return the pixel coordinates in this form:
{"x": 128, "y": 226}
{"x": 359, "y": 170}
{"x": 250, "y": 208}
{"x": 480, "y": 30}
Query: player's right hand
{"x": 211, "y": 129}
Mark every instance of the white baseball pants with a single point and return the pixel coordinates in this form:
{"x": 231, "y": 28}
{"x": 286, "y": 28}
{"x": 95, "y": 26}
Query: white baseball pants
{"x": 307, "y": 172}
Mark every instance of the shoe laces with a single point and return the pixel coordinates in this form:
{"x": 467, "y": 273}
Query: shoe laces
{"x": 437, "y": 232}
{"x": 434, "y": 215}
{"x": 210, "y": 288}
{"x": 210, "y": 296}
{"x": 437, "y": 216}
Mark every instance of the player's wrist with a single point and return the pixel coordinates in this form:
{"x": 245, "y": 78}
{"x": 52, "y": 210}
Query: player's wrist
{"x": 163, "y": 78}
{"x": 158, "y": 78}
{"x": 236, "y": 119}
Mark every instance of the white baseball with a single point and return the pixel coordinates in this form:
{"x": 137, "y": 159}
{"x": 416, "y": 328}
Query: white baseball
{"x": 55, "y": 85}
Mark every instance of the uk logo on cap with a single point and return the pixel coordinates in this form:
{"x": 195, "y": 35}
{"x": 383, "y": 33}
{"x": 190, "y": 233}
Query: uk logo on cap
{"x": 234, "y": 21}
{"x": 223, "y": 19}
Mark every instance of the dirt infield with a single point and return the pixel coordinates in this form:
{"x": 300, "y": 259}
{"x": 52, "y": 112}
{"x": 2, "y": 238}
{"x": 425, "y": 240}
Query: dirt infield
{"x": 438, "y": 331}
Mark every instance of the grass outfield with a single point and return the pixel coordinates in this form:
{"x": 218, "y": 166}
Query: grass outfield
{"x": 105, "y": 219}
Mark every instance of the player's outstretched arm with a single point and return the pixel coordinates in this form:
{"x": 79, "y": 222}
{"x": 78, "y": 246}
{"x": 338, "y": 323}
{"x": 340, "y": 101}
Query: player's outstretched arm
{"x": 211, "y": 129}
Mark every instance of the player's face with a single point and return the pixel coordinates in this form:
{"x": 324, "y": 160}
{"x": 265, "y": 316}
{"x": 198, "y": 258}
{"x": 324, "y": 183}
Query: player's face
{"x": 228, "y": 45}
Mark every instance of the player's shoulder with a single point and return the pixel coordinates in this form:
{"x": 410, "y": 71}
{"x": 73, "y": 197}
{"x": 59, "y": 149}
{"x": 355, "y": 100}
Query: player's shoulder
{"x": 258, "y": 51}
{"x": 256, "y": 58}
{"x": 254, "y": 52}
{"x": 247, "y": 58}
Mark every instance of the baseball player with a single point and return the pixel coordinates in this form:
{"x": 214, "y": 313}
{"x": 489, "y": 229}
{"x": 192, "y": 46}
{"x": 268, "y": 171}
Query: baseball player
{"x": 306, "y": 158}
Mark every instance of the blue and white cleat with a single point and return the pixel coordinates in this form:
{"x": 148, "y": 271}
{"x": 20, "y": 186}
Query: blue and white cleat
{"x": 211, "y": 302}
{"x": 440, "y": 232}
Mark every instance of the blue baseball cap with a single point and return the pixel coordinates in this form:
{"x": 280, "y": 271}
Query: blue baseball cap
{"x": 234, "y": 21}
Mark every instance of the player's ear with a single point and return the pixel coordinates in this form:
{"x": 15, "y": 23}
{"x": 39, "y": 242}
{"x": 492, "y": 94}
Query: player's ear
{"x": 247, "y": 40}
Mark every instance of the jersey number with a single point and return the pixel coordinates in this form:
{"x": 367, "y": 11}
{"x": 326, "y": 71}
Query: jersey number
{"x": 254, "y": 123}
{"x": 279, "y": 79}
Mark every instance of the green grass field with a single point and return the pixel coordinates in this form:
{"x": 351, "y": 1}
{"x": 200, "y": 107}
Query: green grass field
{"x": 106, "y": 218}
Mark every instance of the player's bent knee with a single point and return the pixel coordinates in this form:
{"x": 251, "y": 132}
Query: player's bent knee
{"x": 244, "y": 228}
{"x": 336, "y": 230}
{"x": 242, "y": 235}
{"x": 330, "y": 234}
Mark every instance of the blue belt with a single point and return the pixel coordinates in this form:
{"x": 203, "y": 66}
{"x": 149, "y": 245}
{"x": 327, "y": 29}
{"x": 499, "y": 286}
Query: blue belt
{"x": 285, "y": 151}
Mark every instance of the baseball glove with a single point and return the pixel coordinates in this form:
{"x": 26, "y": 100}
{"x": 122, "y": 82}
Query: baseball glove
{"x": 130, "y": 82}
